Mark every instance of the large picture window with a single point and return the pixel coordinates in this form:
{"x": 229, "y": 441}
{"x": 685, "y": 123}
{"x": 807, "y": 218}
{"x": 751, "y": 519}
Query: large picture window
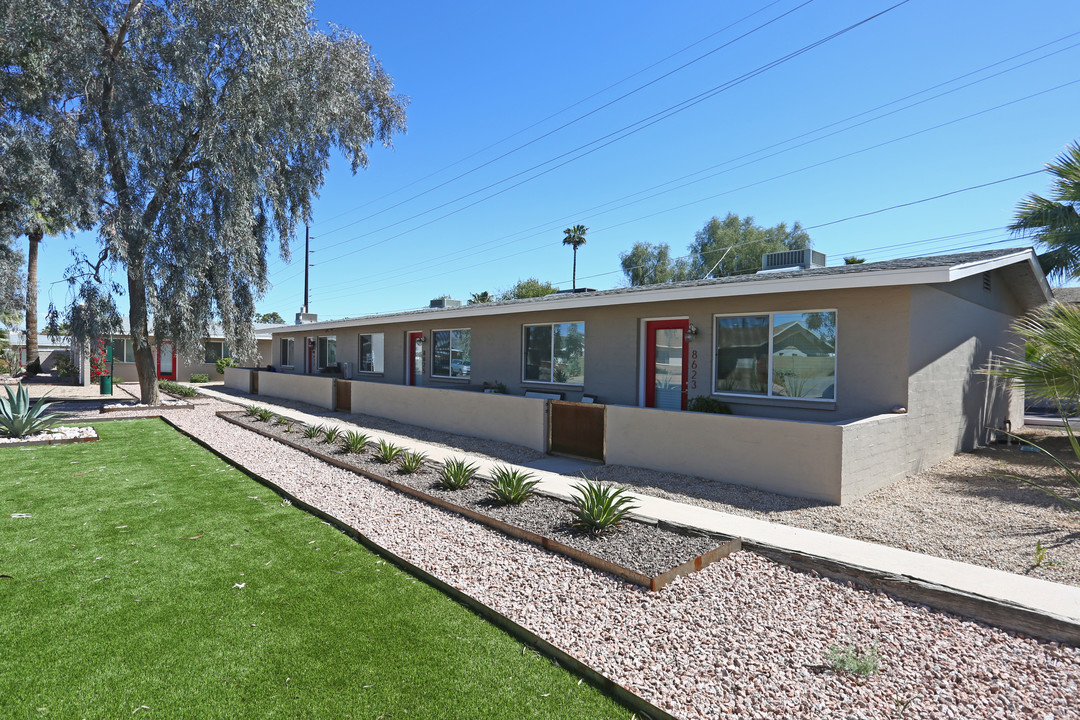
{"x": 327, "y": 351}
{"x": 214, "y": 350}
{"x": 287, "y": 350}
{"x": 790, "y": 355}
{"x": 555, "y": 353}
{"x": 452, "y": 356}
{"x": 371, "y": 353}
{"x": 123, "y": 351}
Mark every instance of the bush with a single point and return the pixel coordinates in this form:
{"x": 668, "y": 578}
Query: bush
{"x": 411, "y": 462}
{"x": 388, "y": 452}
{"x": 599, "y": 507}
{"x": 200, "y": 378}
{"x": 63, "y": 366}
{"x": 224, "y": 363}
{"x": 34, "y": 367}
{"x": 18, "y": 418}
{"x": 456, "y": 474}
{"x": 172, "y": 388}
{"x": 510, "y": 486}
{"x": 708, "y": 405}
{"x": 850, "y": 658}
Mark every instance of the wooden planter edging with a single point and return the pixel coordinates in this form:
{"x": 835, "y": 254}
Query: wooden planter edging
{"x": 728, "y": 546}
{"x": 32, "y": 443}
{"x": 182, "y": 406}
{"x": 639, "y": 705}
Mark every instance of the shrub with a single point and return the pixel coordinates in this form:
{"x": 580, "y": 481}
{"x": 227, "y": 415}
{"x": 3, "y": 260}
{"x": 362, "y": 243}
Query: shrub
{"x": 849, "y": 658}
{"x": 18, "y": 418}
{"x": 313, "y": 431}
{"x": 457, "y": 474}
{"x": 708, "y": 405}
{"x": 176, "y": 389}
{"x": 388, "y": 452}
{"x": 64, "y": 367}
{"x": 331, "y": 435}
{"x": 355, "y": 442}
{"x": 411, "y": 462}
{"x": 510, "y": 486}
{"x": 34, "y": 367}
{"x": 200, "y": 378}
{"x": 598, "y": 507}
{"x": 224, "y": 363}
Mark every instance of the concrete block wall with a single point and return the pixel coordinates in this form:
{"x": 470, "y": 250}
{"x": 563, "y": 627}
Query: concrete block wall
{"x": 310, "y": 389}
{"x": 876, "y": 453}
{"x": 238, "y": 379}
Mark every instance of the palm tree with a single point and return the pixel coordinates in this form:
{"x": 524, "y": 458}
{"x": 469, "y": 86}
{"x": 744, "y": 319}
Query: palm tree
{"x": 1055, "y": 222}
{"x": 480, "y": 298}
{"x": 42, "y": 223}
{"x": 575, "y": 237}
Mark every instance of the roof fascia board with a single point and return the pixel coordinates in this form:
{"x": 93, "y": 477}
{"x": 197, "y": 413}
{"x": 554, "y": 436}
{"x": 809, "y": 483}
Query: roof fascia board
{"x": 980, "y": 266}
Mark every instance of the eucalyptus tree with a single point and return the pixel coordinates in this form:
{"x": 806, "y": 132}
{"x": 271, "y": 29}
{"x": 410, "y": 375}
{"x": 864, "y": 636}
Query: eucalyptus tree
{"x": 214, "y": 121}
{"x": 1055, "y": 221}
{"x": 648, "y": 264}
{"x": 575, "y": 238}
{"x": 735, "y": 245}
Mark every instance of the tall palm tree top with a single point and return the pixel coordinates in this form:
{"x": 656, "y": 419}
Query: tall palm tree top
{"x": 575, "y": 236}
{"x": 1055, "y": 221}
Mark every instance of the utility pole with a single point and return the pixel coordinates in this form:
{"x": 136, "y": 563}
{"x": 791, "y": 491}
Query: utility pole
{"x": 307, "y": 249}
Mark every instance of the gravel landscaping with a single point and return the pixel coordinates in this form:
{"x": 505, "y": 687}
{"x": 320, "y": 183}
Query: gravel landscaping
{"x": 646, "y": 549}
{"x": 53, "y": 436}
{"x": 743, "y": 638}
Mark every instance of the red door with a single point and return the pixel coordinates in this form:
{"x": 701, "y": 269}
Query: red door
{"x": 166, "y": 361}
{"x": 414, "y": 372}
{"x": 309, "y": 355}
{"x": 666, "y": 364}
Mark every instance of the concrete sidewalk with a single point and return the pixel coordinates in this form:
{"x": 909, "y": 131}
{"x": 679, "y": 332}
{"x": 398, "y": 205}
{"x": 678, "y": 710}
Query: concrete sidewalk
{"x": 947, "y": 584}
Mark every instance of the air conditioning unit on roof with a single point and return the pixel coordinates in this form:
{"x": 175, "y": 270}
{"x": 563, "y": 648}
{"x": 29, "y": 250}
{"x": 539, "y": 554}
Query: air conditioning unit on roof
{"x": 792, "y": 260}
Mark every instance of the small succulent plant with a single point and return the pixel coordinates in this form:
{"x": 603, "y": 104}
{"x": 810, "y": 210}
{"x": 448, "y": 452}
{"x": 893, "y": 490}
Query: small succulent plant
{"x": 355, "y": 442}
{"x": 510, "y": 486}
{"x": 331, "y": 435}
{"x": 388, "y": 452}
{"x": 264, "y": 414}
{"x": 313, "y": 431}
{"x": 411, "y": 462}
{"x": 457, "y": 474}
{"x": 598, "y": 507}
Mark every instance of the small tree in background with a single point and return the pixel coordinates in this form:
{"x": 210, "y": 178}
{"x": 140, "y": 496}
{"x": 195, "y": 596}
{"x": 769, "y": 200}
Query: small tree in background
{"x": 271, "y": 317}
{"x": 575, "y": 238}
{"x": 854, "y": 260}
{"x": 480, "y": 298}
{"x": 528, "y": 288}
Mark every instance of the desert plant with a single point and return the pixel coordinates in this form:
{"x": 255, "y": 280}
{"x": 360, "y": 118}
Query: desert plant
{"x": 18, "y": 418}
{"x": 355, "y": 441}
{"x": 251, "y": 410}
{"x": 63, "y": 365}
{"x": 708, "y": 405}
{"x": 456, "y": 474}
{"x": 598, "y": 507}
{"x": 281, "y": 420}
{"x": 224, "y": 363}
{"x": 388, "y": 452}
{"x": 331, "y": 435}
{"x": 264, "y": 414}
{"x": 200, "y": 378}
{"x": 850, "y": 658}
{"x": 510, "y": 486}
{"x": 313, "y": 431}
{"x": 411, "y": 462}
{"x": 174, "y": 388}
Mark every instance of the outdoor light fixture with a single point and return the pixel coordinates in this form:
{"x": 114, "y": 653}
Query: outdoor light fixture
{"x": 691, "y": 332}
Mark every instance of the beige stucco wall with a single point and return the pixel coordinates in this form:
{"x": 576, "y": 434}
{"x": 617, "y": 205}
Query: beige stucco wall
{"x": 314, "y": 390}
{"x": 803, "y": 459}
{"x": 238, "y": 379}
{"x": 876, "y": 453}
{"x": 517, "y": 420}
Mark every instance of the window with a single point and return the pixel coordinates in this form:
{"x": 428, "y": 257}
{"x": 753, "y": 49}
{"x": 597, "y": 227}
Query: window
{"x": 555, "y": 353}
{"x": 123, "y": 351}
{"x": 777, "y": 355}
{"x": 214, "y": 350}
{"x": 452, "y": 356}
{"x": 327, "y": 352}
{"x": 371, "y": 353}
{"x": 288, "y": 349}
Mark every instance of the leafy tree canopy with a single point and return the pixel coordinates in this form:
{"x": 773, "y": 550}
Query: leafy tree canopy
{"x": 270, "y": 317}
{"x": 730, "y": 246}
{"x": 213, "y": 121}
{"x": 1055, "y": 221}
{"x": 527, "y": 288}
{"x": 853, "y": 260}
{"x": 481, "y": 297}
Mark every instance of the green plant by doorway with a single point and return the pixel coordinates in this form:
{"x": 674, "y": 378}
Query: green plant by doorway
{"x": 705, "y": 404}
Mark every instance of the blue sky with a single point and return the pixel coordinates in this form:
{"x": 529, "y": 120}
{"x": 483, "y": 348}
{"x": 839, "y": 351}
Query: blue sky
{"x": 502, "y": 92}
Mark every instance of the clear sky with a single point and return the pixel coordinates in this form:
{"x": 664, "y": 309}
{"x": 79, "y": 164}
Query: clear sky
{"x": 643, "y": 120}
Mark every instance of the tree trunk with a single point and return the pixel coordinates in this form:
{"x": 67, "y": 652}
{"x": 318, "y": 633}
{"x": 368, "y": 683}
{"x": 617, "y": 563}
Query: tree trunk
{"x": 35, "y": 237}
{"x": 139, "y": 321}
{"x": 573, "y": 280}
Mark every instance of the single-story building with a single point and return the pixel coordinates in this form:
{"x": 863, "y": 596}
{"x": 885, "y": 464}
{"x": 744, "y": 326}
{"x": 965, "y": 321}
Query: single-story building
{"x": 171, "y": 366}
{"x": 840, "y": 379}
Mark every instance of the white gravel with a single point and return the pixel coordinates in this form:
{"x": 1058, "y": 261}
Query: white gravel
{"x": 57, "y": 434}
{"x": 166, "y": 402}
{"x": 743, "y": 638}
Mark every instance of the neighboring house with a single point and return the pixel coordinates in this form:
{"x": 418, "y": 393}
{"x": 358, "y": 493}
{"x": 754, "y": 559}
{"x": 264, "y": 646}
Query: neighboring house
{"x": 841, "y": 379}
{"x": 170, "y": 366}
{"x": 1067, "y": 295}
{"x": 47, "y": 348}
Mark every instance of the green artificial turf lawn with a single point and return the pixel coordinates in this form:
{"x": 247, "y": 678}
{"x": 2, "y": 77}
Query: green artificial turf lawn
{"x": 151, "y": 573}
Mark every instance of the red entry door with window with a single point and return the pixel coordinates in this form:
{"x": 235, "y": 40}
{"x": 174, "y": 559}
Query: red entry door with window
{"x": 166, "y": 361}
{"x": 309, "y": 355}
{"x": 667, "y": 364}
{"x": 414, "y": 372}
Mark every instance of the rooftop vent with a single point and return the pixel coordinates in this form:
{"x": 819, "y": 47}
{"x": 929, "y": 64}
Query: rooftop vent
{"x": 303, "y": 318}
{"x": 444, "y": 302}
{"x": 792, "y": 260}
{"x": 575, "y": 290}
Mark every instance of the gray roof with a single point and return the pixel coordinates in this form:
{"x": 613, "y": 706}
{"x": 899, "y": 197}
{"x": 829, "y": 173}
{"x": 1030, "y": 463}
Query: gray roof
{"x": 901, "y": 264}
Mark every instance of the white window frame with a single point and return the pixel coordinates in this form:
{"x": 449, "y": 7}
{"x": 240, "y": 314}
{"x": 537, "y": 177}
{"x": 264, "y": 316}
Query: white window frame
{"x": 751, "y": 398}
{"x": 378, "y": 353}
{"x": 224, "y": 351}
{"x": 290, "y": 343}
{"x": 318, "y": 360}
{"x": 124, "y": 344}
{"x": 524, "y": 338}
{"x": 451, "y": 376}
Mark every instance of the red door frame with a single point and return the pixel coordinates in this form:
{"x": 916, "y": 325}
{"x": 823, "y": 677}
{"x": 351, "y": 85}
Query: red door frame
{"x": 651, "y": 326}
{"x": 309, "y": 355}
{"x": 172, "y": 375}
{"x": 410, "y": 368}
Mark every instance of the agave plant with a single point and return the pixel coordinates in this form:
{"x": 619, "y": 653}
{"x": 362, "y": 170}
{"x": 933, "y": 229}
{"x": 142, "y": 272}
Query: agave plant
{"x": 356, "y": 441}
{"x": 313, "y": 431}
{"x": 510, "y": 486}
{"x": 331, "y": 435}
{"x": 599, "y": 507}
{"x": 388, "y": 452}
{"x": 19, "y": 419}
{"x": 411, "y": 462}
{"x": 457, "y": 474}
{"x": 265, "y": 414}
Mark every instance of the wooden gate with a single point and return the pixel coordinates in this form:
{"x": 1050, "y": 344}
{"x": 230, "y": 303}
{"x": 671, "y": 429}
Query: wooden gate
{"x": 577, "y": 429}
{"x": 253, "y": 382}
{"x": 343, "y": 395}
